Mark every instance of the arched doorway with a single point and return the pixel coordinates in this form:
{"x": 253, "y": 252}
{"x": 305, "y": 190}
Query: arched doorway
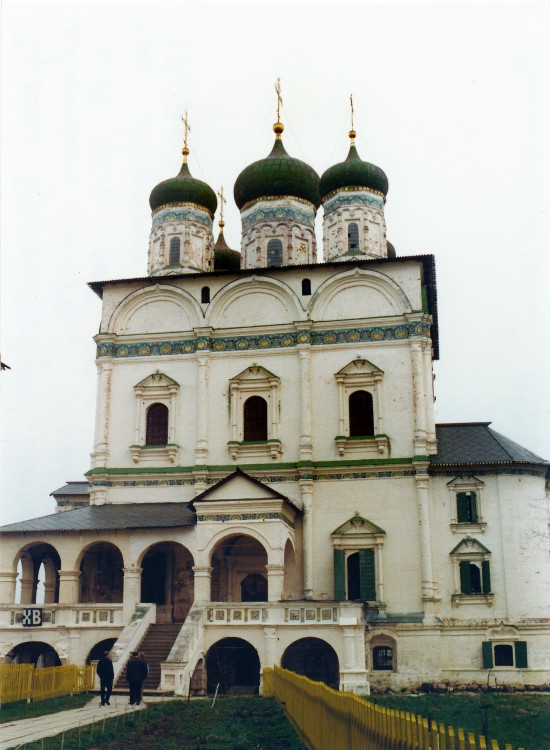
{"x": 234, "y": 665}
{"x": 239, "y": 570}
{"x": 167, "y": 580}
{"x": 99, "y": 650}
{"x": 34, "y": 652}
{"x": 313, "y": 658}
{"x": 38, "y": 575}
{"x": 101, "y": 574}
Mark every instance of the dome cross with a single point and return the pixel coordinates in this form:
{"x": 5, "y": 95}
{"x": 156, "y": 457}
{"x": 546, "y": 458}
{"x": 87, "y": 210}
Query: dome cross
{"x": 187, "y": 130}
{"x": 223, "y": 200}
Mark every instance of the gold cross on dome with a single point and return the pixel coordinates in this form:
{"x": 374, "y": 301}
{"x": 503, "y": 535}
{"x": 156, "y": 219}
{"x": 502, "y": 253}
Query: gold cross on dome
{"x": 223, "y": 200}
{"x": 351, "y": 104}
{"x": 279, "y": 98}
{"x": 187, "y": 129}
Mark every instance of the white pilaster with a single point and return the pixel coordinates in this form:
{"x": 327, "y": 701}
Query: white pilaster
{"x": 201, "y": 448}
{"x": 306, "y": 487}
{"x": 306, "y": 449}
{"x": 419, "y": 401}
{"x": 101, "y": 440}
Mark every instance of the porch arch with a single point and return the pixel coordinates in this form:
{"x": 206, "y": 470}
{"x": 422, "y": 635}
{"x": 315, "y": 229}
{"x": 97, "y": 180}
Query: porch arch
{"x": 313, "y": 658}
{"x": 239, "y": 571}
{"x": 39, "y": 653}
{"x": 37, "y": 566}
{"x": 167, "y": 580}
{"x": 101, "y": 576}
{"x": 234, "y": 665}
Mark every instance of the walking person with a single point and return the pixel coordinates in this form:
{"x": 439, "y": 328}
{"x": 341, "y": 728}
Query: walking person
{"x": 136, "y": 671}
{"x": 106, "y": 675}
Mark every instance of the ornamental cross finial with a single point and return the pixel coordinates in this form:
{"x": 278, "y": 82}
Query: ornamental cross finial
{"x": 279, "y": 98}
{"x": 223, "y": 200}
{"x": 187, "y": 130}
{"x": 352, "y": 131}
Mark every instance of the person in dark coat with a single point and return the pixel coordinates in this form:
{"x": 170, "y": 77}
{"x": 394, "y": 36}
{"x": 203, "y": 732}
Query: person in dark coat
{"x": 106, "y": 675}
{"x": 136, "y": 672}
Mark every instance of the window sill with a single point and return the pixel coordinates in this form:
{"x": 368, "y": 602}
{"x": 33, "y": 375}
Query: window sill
{"x": 255, "y": 448}
{"x": 460, "y": 599}
{"x": 468, "y": 528}
{"x": 370, "y": 444}
{"x": 154, "y": 452}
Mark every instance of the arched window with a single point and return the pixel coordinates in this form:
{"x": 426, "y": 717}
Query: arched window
{"x": 353, "y": 238}
{"x": 157, "y": 425}
{"x": 205, "y": 294}
{"x": 306, "y": 287}
{"x": 274, "y": 253}
{"x": 382, "y": 658}
{"x": 175, "y": 245}
{"x": 255, "y": 418}
{"x": 361, "y": 414}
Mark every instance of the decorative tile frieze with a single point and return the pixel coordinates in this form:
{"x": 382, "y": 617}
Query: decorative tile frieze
{"x": 346, "y": 199}
{"x": 264, "y": 341}
{"x": 223, "y": 517}
{"x": 269, "y": 479}
{"x": 185, "y": 212}
{"x": 278, "y": 213}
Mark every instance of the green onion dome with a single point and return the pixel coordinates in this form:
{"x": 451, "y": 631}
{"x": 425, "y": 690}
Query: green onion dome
{"x": 278, "y": 175}
{"x": 184, "y": 189}
{"x": 353, "y": 173}
{"x": 225, "y": 259}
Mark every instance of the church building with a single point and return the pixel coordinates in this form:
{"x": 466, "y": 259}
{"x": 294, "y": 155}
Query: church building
{"x": 268, "y": 484}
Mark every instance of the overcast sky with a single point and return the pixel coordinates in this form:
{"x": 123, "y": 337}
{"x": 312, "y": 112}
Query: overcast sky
{"x": 452, "y": 101}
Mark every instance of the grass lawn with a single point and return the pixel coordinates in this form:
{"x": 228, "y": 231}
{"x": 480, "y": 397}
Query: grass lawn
{"x": 522, "y": 719}
{"x": 24, "y": 710}
{"x": 233, "y": 724}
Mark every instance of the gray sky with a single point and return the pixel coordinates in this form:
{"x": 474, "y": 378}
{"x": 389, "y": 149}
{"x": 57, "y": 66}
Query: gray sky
{"x": 452, "y": 101}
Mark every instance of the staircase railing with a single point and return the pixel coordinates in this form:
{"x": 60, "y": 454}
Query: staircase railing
{"x": 176, "y": 671}
{"x": 132, "y": 635}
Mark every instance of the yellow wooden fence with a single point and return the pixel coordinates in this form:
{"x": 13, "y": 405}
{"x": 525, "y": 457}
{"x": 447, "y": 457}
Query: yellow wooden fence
{"x": 20, "y": 682}
{"x": 326, "y": 719}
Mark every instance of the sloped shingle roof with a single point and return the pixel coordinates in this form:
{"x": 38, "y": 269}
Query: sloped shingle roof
{"x": 109, "y": 517}
{"x": 476, "y": 443}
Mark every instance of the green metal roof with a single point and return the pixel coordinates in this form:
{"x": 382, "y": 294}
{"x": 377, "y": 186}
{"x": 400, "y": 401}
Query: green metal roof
{"x": 183, "y": 188}
{"x": 277, "y": 175}
{"x": 353, "y": 172}
{"x": 225, "y": 259}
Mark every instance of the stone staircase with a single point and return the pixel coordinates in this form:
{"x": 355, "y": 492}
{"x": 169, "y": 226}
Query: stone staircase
{"x": 156, "y": 645}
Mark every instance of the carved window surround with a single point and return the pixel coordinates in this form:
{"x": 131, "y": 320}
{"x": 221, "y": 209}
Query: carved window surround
{"x": 361, "y": 375}
{"x": 155, "y": 388}
{"x": 255, "y": 381}
{"x": 466, "y": 484}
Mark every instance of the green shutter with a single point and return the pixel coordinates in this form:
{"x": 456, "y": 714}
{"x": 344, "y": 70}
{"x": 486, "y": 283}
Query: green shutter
{"x": 487, "y": 652}
{"x": 462, "y": 502}
{"x": 367, "y": 575}
{"x": 486, "y": 576}
{"x": 465, "y": 578}
{"x": 473, "y": 507}
{"x": 339, "y": 575}
{"x": 521, "y": 654}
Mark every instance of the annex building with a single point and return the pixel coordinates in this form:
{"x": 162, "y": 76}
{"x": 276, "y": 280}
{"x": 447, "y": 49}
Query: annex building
{"x": 268, "y": 484}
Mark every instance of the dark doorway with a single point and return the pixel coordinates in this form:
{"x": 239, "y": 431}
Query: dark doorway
{"x": 99, "y": 649}
{"x": 313, "y": 658}
{"x": 167, "y": 581}
{"x": 36, "y": 652}
{"x": 153, "y": 577}
{"x": 234, "y": 665}
{"x": 254, "y": 588}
